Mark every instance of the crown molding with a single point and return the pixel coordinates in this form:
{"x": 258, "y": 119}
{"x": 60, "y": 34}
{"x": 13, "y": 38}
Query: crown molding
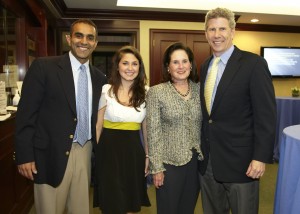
{"x": 267, "y": 28}
{"x": 95, "y": 14}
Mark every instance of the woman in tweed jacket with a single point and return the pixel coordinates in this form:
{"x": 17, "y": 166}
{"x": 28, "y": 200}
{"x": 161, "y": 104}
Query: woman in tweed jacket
{"x": 173, "y": 125}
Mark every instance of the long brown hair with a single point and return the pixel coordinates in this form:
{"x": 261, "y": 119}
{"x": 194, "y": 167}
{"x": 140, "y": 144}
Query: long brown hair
{"x": 138, "y": 87}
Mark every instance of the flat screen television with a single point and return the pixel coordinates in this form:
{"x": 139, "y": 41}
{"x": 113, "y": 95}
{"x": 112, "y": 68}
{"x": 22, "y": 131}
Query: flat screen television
{"x": 282, "y": 61}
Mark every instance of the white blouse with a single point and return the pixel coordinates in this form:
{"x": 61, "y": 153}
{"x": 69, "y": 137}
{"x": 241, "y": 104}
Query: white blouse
{"x": 116, "y": 112}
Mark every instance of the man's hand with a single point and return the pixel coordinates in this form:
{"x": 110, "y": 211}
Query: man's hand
{"x": 27, "y": 169}
{"x": 256, "y": 169}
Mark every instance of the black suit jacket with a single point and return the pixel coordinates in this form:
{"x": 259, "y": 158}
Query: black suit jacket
{"x": 46, "y": 116}
{"x": 242, "y": 123}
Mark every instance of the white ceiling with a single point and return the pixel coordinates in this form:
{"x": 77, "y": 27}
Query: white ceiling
{"x": 273, "y": 12}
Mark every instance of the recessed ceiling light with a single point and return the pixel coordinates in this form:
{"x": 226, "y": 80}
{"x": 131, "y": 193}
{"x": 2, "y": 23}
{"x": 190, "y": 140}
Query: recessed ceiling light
{"x": 254, "y": 20}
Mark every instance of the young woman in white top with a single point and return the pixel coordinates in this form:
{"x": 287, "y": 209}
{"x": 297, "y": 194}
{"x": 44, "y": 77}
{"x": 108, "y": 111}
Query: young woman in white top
{"x": 121, "y": 155}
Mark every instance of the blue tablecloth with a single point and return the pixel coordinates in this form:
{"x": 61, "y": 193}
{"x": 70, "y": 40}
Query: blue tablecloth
{"x": 288, "y": 113}
{"x": 287, "y": 196}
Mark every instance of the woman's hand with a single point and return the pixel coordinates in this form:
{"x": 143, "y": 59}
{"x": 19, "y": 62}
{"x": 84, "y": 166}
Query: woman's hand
{"x": 158, "y": 179}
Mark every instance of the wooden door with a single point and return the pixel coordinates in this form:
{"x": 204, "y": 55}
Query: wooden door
{"x": 198, "y": 43}
{"x": 161, "y": 39}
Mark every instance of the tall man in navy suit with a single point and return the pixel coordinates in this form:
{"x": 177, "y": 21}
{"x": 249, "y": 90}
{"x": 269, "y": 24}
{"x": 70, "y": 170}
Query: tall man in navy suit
{"x": 47, "y": 150}
{"x": 239, "y": 127}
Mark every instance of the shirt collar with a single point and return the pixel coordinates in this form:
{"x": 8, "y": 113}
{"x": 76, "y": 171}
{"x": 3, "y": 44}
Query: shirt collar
{"x": 226, "y": 55}
{"x": 75, "y": 63}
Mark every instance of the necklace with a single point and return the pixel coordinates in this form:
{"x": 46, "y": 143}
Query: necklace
{"x": 181, "y": 94}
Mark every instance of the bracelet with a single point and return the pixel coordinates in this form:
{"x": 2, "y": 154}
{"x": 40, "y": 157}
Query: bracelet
{"x": 147, "y": 156}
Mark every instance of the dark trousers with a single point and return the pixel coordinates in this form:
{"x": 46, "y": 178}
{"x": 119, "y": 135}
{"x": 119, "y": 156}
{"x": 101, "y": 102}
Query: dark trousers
{"x": 220, "y": 198}
{"x": 180, "y": 191}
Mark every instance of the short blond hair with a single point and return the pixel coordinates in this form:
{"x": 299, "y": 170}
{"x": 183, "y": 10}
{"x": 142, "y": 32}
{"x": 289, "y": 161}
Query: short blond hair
{"x": 220, "y": 13}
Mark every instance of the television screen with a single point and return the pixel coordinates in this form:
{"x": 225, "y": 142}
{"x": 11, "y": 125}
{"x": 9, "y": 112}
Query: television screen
{"x": 282, "y": 61}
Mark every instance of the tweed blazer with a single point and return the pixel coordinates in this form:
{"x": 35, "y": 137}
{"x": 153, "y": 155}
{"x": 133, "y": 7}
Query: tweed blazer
{"x": 173, "y": 126}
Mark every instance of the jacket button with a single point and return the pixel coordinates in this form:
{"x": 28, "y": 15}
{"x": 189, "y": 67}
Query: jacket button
{"x": 67, "y": 153}
{"x": 71, "y": 136}
{"x": 210, "y": 121}
{"x": 75, "y": 119}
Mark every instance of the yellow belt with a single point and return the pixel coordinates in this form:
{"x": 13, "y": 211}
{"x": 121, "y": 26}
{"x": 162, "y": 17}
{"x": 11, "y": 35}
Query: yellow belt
{"x": 121, "y": 125}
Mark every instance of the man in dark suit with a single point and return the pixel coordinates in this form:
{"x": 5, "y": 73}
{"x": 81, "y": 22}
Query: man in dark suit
{"x": 47, "y": 124}
{"x": 238, "y": 123}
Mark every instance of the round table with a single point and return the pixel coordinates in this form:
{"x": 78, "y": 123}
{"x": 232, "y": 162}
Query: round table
{"x": 287, "y": 196}
{"x": 288, "y": 113}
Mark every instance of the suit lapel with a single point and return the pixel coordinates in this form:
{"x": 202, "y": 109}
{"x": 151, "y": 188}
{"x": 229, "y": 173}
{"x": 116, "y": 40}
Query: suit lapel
{"x": 94, "y": 88}
{"x": 230, "y": 71}
{"x": 67, "y": 81}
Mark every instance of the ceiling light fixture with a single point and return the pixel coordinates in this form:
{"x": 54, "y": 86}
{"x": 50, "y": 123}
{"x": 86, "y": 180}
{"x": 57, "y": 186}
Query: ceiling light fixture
{"x": 254, "y": 20}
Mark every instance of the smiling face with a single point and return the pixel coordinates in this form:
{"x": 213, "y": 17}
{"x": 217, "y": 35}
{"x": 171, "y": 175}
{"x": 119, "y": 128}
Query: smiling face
{"x": 129, "y": 67}
{"x": 179, "y": 66}
{"x": 83, "y": 41}
{"x": 219, "y": 35}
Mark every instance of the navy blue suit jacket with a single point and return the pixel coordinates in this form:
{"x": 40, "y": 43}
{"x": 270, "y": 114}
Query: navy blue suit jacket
{"x": 242, "y": 123}
{"x": 46, "y": 116}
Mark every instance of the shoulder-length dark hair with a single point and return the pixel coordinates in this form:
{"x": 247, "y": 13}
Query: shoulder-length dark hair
{"x": 167, "y": 59}
{"x": 138, "y": 87}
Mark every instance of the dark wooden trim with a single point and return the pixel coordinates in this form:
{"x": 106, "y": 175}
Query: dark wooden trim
{"x": 160, "y": 16}
{"x": 105, "y": 14}
{"x": 267, "y": 28}
{"x": 154, "y": 30}
{"x": 109, "y": 14}
{"x": 102, "y": 24}
{"x": 108, "y": 29}
{"x": 21, "y": 44}
{"x": 135, "y": 15}
{"x": 16, "y": 191}
{"x": 60, "y": 6}
{"x": 18, "y": 8}
{"x": 114, "y": 27}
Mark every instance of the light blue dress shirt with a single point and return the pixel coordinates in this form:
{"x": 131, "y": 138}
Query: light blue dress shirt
{"x": 76, "y": 69}
{"x": 221, "y": 67}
